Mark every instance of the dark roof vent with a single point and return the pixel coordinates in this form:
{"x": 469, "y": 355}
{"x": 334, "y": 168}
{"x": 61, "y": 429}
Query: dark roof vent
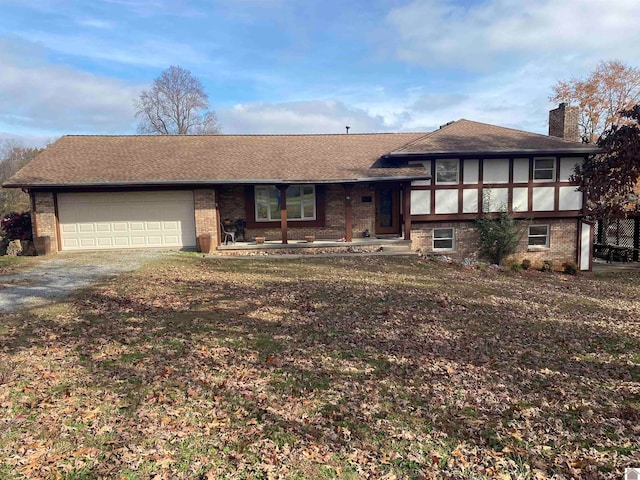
{"x": 447, "y": 124}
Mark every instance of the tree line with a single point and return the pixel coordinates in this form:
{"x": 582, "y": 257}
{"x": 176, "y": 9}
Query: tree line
{"x": 13, "y": 156}
{"x": 608, "y": 100}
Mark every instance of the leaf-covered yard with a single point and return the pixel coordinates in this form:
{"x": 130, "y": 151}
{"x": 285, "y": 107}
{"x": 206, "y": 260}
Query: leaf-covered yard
{"x": 352, "y": 367}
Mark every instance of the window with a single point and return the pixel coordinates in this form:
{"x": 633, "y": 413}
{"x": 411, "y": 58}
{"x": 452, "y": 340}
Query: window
{"x": 539, "y": 236}
{"x": 301, "y": 203}
{"x": 443, "y": 239}
{"x": 447, "y": 172}
{"x": 544, "y": 169}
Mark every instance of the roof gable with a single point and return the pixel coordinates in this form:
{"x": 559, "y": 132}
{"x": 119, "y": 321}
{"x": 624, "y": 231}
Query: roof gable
{"x": 466, "y": 136}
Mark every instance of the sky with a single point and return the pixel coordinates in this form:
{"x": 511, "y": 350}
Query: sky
{"x": 302, "y": 66}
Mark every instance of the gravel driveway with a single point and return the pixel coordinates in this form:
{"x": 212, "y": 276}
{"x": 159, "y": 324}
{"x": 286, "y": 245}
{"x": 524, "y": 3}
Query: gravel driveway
{"x": 60, "y": 275}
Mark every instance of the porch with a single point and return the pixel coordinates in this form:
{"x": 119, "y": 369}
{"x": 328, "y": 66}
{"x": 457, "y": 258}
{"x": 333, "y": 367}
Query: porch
{"x": 359, "y": 245}
{"x": 367, "y": 214}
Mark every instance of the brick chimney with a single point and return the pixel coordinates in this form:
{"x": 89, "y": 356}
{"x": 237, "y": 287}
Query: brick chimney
{"x": 563, "y": 122}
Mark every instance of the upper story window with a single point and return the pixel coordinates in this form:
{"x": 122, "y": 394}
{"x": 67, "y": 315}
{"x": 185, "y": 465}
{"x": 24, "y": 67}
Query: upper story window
{"x": 301, "y": 203}
{"x": 447, "y": 171}
{"x": 544, "y": 169}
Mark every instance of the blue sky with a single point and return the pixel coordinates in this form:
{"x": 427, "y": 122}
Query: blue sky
{"x": 302, "y": 66}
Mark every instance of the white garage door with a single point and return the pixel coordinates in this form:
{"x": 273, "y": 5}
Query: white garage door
{"x": 90, "y": 221}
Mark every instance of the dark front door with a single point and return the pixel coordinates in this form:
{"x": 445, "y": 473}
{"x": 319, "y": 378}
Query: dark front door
{"x": 388, "y": 209}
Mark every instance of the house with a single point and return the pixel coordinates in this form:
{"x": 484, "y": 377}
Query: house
{"x": 105, "y": 192}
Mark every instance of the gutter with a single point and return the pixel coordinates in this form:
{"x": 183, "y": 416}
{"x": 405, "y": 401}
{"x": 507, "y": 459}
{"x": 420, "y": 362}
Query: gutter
{"x": 467, "y": 153}
{"x": 273, "y": 181}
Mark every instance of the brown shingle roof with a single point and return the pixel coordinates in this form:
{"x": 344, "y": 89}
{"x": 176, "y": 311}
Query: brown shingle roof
{"x": 126, "y": 160}
{"x": 465, "y": 136}
{"x": 108, "y": 160}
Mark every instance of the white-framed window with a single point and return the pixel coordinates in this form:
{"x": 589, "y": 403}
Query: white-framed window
{"x": 544, "y": 169}
{"x": 539, "y": 236}
{"x": 444, "y": 239}
{"x": 301, "y": 203}
{"x": 447, "y": 171}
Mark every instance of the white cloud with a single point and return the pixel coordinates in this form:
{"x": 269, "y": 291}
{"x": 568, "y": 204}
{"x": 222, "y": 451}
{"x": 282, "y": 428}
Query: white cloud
{"x": 327, "y": 116}
{"x": 149, "y": 51}
{"x": 44, "y": 99}
{"x": 477, "y": 36}
{"x": 34, "y": 141}
{"x": 96, "y": 23}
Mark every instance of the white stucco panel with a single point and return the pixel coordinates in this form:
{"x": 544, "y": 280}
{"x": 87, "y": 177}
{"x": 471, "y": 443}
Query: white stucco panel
{"x": 471, "y": 168}
{"x": 521, "y": 170}
{"x": 520, "y": 199}
{"x": 586, "y": 237}
{"x": 567, "y": 166}
{"x": 543, "y": 199}
{"x": 470, "y": 200}
{"x": 495, "y": 170}
{"x": 570, "y": 199}
{"x": 495, "y": 199}
{"x": 446, "y": 201}
{"x": 420, "y": 202}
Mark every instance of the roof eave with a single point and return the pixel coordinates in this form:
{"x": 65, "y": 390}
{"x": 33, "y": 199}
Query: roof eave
{"x": 186, "y": 183}
{"x": 522, "y": 151}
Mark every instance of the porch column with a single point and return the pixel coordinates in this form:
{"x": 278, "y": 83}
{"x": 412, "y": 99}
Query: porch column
{"x": 406, "y": 209}
{"x": 283, "y": 212}
{"x": 348, "y": 212}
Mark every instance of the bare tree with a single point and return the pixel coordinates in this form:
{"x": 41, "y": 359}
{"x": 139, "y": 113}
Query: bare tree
{"x": 13, "y": 157}
{"x": 175, "y": 104}
{"x": 608, "y": 90}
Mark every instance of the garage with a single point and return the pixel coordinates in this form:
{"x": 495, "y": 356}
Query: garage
{"x": 112, "y": 220}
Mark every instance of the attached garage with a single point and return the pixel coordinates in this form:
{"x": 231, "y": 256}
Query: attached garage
{"x": 112, "y": 220}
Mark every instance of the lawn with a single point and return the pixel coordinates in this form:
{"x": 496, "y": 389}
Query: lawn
{"x": 15, "y": 264}
{"x": 351, "y": 367}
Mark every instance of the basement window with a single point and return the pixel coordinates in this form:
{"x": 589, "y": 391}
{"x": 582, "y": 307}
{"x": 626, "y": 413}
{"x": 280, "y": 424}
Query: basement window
{"x": 539, "y": 236}
{"x": 443, "y": 239}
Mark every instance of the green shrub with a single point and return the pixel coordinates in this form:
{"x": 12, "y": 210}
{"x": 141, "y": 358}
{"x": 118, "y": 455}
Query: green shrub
{"x": 570, "y": 268}
{"x": 515, "y": 267}
{"x": 526, "y": 264}
{"x": 499, "y": 236}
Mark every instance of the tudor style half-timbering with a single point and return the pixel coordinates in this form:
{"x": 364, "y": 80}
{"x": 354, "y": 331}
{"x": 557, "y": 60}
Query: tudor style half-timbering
{"x": 427, "y": 189}
{"x": 478, "y": 169}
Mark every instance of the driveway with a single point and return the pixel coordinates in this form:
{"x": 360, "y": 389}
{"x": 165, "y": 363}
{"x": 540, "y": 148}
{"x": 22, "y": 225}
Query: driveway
{"x": 61, "y": 275}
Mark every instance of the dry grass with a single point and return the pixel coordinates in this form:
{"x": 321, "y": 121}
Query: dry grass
{"x": 357, "y": 367}
{"x": 16, "y": 264}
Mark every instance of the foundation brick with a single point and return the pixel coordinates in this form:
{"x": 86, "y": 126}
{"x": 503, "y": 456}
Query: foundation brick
{"x": 43, "y": 218}
{"x": 562, "y": 241}
{"x": 206, "y": 215}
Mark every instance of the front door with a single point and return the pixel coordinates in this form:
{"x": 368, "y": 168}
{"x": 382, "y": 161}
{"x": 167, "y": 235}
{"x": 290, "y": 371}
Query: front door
{"x": 388, "y": 210}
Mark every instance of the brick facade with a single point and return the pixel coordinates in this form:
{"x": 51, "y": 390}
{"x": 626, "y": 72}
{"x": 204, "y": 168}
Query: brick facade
{"x": 232, "y": 206}
{"x": 43, "y": 218}
{"x": 563, "y": 122}
{"x": 206, "y": 214}
{"x": 563, "y": 241}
